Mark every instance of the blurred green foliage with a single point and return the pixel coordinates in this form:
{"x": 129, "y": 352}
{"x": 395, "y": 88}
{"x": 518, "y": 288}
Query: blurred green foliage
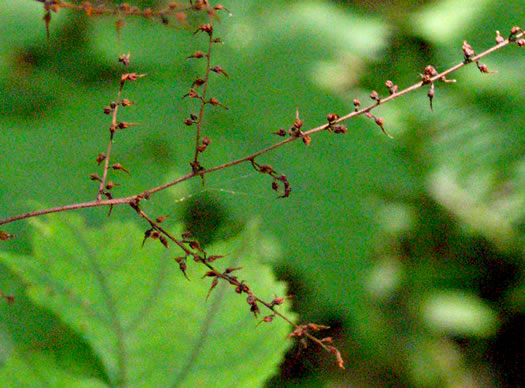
{"x": 412, "y": 248}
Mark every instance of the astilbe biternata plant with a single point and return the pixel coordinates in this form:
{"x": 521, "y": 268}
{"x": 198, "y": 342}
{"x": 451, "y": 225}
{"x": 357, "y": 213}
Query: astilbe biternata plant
{"x": 199, "y": 91}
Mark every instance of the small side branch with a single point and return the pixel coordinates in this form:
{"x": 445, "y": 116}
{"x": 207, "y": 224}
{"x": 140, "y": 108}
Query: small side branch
{"x": 516, "y": 37}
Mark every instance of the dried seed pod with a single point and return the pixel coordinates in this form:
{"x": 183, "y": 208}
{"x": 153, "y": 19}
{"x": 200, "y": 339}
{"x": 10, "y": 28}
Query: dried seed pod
{"x": 255, "y": 309}
{"x": 339, "y": 358}
{"x": 431, "y": 95}
{"x": 499, "y": 38}
{"x": 230, "y": 270}
{"x": 467, "y": 51}
{"x": 100, "y": 158}
{"x": 306, "y": 139}
{"x": 198, "y": 82}
{"x": 431, "y": 71}
{"x": 192, "y": 94}
{"x": 281, "y": 132}
{"x": 207, "y": 28}
{"x": 197, "y": 54}
{"x": 265, "y": 169}
{"x": 183, "y": 266}
{"x": 118, "y": 166}
{"x": 181, "y": 16}
{"x": 130, "y": 77}
{"x": 211, "y": 259}
{"x": 331, "y": 117}
{"x": 213, "y": 101}
{"x": 195, "y": 245}
{"x": 514, "y": 30}
{"x": 484, "y": 69}
{"x": 339, "y": 129}
{"x": 161, "y": 219}
{"x": 379, "y": 121}
{"x": 124, "y": 125}
{"x": 392, "y": 89}
{"x": 186, "y": 234}
{"x": 213, "y": 285}
{"x": 219, "y": 70}
{"x": 6, "y": 236}
{"x": 163, "y": 240}
{"x": 111, "y": 184}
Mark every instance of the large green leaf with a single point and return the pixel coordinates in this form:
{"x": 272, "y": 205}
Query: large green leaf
{"x": 147, "y": 324}
{"x": 32, "y": 369}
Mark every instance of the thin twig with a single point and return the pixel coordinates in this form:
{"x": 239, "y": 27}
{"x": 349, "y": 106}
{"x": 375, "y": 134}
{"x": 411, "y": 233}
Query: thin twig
{"x": 203, "y": 101}
{"x": 108, "y": 152}
{"x": 125, "y": 10}
{"x": 148, "y": 193}
{"x": 228, "y": 278}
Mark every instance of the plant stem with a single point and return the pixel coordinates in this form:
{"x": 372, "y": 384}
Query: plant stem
{"x": 203, "y": 101}
{"x": 147, "y": 193}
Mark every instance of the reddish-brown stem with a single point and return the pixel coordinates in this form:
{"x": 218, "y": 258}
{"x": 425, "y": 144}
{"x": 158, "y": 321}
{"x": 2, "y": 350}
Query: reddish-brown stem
{"x": 156, "y": 226}
{"x": 108, "y": 152}
{"x": 126, "y": 11}
{"x": 147, "y": 193}
{"x": 106, "y": 167}
{"x": 232, "y": 280}
{"x": 292, "y": 323}
{"x": 60, "y": 209}
{"x": 203, "y": 101}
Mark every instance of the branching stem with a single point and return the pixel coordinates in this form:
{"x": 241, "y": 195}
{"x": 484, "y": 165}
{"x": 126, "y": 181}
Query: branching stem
{"x": 148, "y": 193}
{"x": 225, "y": 276}
{"x": 203, "y": 101}
{"x": 191, "y": 248}
{"x": 108, "y": 152}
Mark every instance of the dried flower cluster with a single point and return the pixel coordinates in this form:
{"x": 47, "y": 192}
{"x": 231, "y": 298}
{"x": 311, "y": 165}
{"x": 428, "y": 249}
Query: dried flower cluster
{"x": 199, "y": 91}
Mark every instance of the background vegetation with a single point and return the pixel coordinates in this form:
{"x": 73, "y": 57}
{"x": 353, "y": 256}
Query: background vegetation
{"x": 411, "y": 248}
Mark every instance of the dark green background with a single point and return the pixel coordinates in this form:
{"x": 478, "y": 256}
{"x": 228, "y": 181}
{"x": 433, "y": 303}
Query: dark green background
{"x": 411, "y": 248}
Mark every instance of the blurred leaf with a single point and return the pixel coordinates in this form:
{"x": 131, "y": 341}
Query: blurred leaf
{"x": 315, "y": 56}
{"x": 22, "y": 22}
{"x": 487, "y": 220}
{"x": 460, "y": 314}
{"x": 147, "y": 324}
{"x": 464, "y": 19}
{"x": 436, "y": 362}
{"x": 429, "y": 20}
{"x": 516, "y": 298}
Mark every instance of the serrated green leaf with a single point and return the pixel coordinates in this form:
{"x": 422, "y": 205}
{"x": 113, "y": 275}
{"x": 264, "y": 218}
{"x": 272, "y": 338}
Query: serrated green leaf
{"x": 148, "y": 325}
